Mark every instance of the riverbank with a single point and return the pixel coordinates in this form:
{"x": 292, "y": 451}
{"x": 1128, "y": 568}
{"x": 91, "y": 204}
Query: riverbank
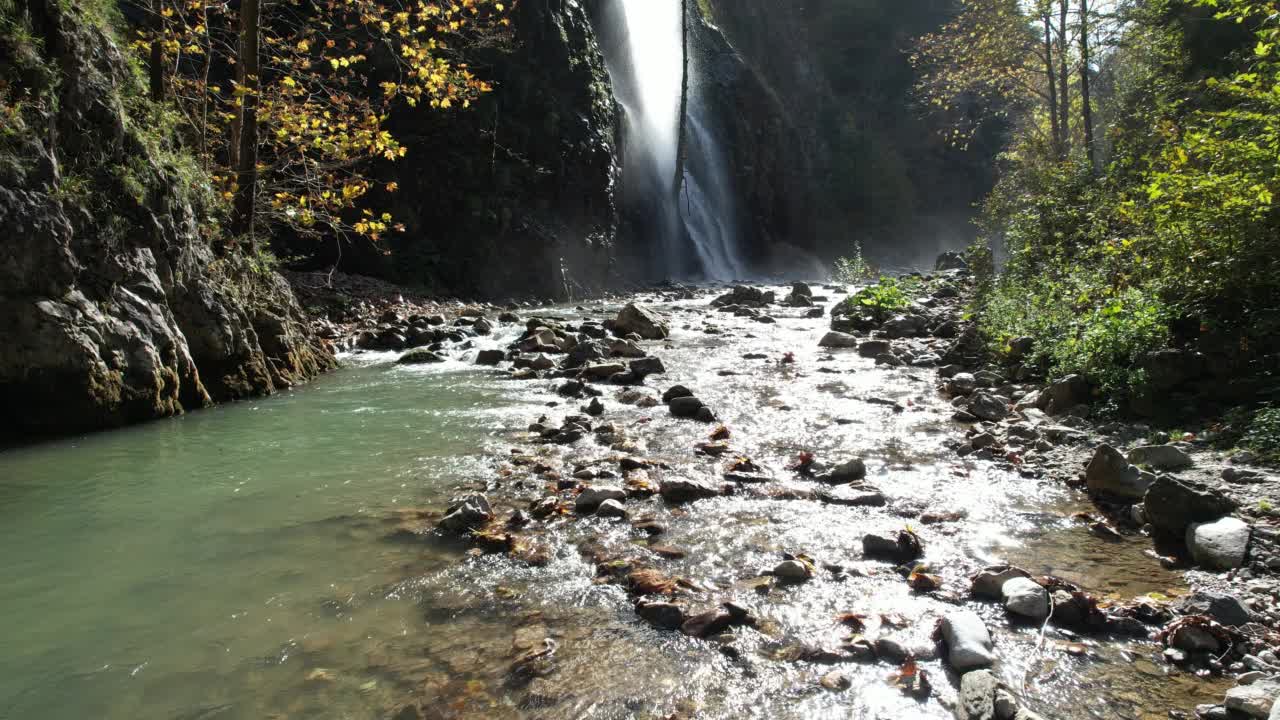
{"x": 590, "y": 468}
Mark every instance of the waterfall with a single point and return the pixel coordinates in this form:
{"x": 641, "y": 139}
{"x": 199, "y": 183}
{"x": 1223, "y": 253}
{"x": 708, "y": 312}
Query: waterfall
{"x": 696, "y": 230}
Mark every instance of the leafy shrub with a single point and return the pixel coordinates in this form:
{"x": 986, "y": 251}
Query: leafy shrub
{"x": 852, "y": 268}
{"x": 879, "y": 301}
{"x": 1263, "y": 435}
{"x": 1080, "y": 325}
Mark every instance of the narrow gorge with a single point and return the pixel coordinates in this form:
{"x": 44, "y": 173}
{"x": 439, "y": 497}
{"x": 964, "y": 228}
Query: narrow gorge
{"x": 637, "y": 359}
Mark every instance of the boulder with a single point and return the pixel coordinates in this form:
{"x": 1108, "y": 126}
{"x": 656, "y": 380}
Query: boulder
{"x": 469, "y": 513}
{"x": 846, "y": 472}
{"x": 988, "y": 407}
{"x": 1225, "y": 609}
{"x": 836, "y": 339}
{"x": 680, "y": 490}
{"x": 644, "y": 367}
{"x": 1160, "y": 457}
{"x": 872, "y": 348}
{"x": 1169, "y": 368}
{"x": 1026, "y": 597}
{"x": 591, "y": 498}
{"x": 1219, "y": 545}
{"x": 640, "y": 321}
{"x": 677, "y": 391}
{"x": 794, "y": 570}
{"x": 1172, "y": 505}
{"x": 1255, "y": 700}
{"x": 421, "y": 356}
{"x": 611, "y": 509}
{"x": 977, "y": 699}
{"x": 901, "y": 548}
{"x": 989, "y": 583}
{"x": 1109, "y": 473}
{"x": 904, "y": 326}
{"x": 1066, "y": 393}
{"x": 685, "y": 407}
{"x": 490, "y": 357}
{"x": 950, "y": 260}
{"x": 663, "y": 615}
{"x": 967, "y": 640}
{"x": 852, "y": 496}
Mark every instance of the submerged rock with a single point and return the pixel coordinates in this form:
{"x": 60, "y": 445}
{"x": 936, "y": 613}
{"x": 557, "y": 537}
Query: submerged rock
{"x": 467, "y": 514}
{"x": 419, "y": 357}
{"x": 904, "y": 547}
{"x": 680, "y": 490}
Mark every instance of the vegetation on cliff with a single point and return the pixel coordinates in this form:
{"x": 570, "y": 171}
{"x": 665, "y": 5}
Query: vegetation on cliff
{"x": 1141, "y": 252}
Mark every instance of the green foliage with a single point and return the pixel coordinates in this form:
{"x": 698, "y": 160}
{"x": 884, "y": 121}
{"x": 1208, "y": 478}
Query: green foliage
{"x": 1080, "y": 325}
{"x": 1263, "y": 434}
{"x": 852, "y": 268}
{"x": 879, "y": 301}
{"x": 1173, "y": 243}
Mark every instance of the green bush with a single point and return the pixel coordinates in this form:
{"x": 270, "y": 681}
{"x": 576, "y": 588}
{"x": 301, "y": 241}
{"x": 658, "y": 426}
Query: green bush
{"x": 880, "y": 301}
{"x": 1263, "y": 435}
{"x": 852, "y": 268}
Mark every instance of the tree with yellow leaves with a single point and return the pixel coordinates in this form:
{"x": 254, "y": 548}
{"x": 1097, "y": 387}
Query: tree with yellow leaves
{"x": 287, "y": 100}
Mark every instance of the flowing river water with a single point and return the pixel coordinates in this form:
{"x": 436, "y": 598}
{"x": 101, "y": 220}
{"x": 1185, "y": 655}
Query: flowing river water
{"x": 274, "y": 559}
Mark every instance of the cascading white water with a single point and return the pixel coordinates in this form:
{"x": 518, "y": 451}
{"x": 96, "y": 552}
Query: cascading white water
{"x": 704, "y": 212}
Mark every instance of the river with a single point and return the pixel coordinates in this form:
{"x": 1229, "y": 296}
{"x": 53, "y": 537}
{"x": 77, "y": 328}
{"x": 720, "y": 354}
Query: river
{"x": 273, "y": 559}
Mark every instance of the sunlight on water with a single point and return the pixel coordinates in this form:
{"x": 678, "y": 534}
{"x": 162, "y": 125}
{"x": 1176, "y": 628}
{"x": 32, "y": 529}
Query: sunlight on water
{"x": 276, "y": 558}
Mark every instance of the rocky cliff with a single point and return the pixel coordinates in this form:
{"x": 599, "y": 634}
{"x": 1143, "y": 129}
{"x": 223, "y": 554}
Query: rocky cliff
{"x": 514, "y": 196}
{"x": 114, "y": 305}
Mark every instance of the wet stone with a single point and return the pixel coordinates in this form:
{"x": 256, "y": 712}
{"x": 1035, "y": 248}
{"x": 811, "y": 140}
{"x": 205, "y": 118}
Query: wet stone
{"x": 967, "y": 639}
{"x": 977, "y": 696}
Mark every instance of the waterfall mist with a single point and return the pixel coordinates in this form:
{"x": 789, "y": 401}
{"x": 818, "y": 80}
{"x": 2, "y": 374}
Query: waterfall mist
{"x": 693, "y": 226}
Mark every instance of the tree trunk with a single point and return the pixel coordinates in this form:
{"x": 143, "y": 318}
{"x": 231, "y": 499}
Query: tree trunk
{"x": 684, "y": 98}
{"x": 247, "y": 170}
{"x": 157, "y": 50}
{"x": 1086, "y": 108}
{"x": 1064, "y": 76}
{"x": 1053, "y": 89}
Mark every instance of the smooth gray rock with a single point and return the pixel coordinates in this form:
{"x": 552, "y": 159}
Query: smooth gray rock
{"x": 836, "y": 339}
{"x": 611, "y": 509}
{"x": 967, "y": 640}
{"x": 1026, "y": 597}
{"x": 989, "y": 583}
{"x": 1110, "y": 473}
{"x": 1219, "y": 545}
{"x": 1160, "y": 457}
{"x": 589, "y": 499}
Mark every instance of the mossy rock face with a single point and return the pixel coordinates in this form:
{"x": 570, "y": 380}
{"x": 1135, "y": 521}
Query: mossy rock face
{"x": 115, "y": 308}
